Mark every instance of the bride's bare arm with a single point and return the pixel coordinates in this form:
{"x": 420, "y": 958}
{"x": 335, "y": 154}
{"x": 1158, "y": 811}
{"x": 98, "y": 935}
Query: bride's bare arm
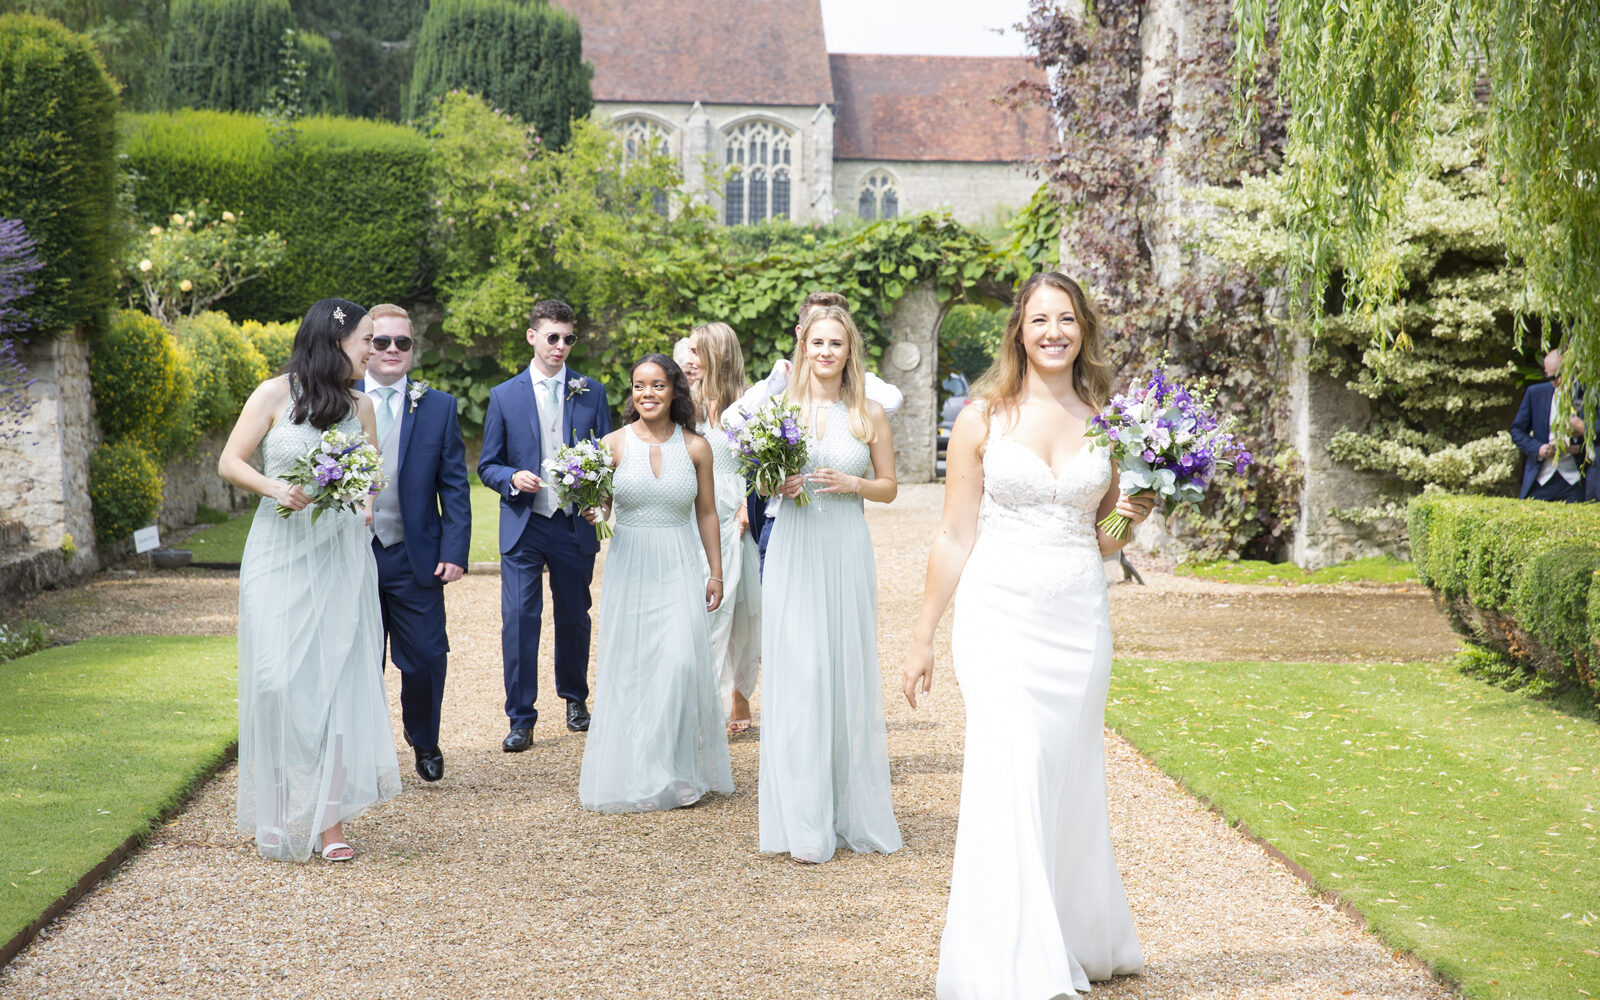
{"x": 958, "y": 529}
{"x": 263, "y": 406}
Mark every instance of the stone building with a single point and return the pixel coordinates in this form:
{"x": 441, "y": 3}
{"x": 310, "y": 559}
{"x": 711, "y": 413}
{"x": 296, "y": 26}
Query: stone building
{"x": 764, "y": 123}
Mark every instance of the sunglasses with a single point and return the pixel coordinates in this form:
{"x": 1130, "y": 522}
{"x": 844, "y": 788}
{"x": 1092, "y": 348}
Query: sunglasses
{"x": 401, "y": 343}
{"x": 555, "y": 338}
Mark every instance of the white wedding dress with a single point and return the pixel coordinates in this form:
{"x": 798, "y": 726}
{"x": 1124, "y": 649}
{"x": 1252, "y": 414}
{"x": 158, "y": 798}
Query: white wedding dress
{"x": 1037, "y": 908}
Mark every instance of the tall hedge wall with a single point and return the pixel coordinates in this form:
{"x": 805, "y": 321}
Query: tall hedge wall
{"x": 525, "y": 57}
{"x": 349, "y": 197}
{"x": 58, "y": 165}
{"x": 1519, "y": 577}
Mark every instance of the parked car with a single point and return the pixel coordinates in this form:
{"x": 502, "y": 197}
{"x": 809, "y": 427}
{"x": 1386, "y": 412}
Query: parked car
{"x": 955, "y": 389}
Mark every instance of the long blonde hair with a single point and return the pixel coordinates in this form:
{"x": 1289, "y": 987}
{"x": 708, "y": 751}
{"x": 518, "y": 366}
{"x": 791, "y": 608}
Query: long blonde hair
{"x": 852, "y": 388}
{"x": 721, "y": 369}
{"x": 1000, "y": 388}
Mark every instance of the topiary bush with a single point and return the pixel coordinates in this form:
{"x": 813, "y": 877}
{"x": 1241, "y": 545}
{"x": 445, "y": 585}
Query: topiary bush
{"x": 349, "y": 197}
{"x": 273, "y": 340}
{"x": 228, "y": 55}
{"x": 525, "y": 57}
{"x": 224, "y": 367}
{"x": 58, "y": 166}
{"x": 1518, "y": 577}
{"x": 124, "y": 490}
{"x": 140, "y": 382}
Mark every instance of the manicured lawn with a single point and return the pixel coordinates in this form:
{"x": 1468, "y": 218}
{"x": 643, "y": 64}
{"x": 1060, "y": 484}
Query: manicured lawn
{"x": 1378, "y": 569}
{"x": 225, "y": 542}
{"x": 1459, "y": 819}
{"x": 96, "y": 740}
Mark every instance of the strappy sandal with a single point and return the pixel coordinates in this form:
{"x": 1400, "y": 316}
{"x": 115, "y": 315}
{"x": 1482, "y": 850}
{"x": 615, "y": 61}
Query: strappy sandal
{"x": 337, "y": 845}
{"x": 737, "y": 726}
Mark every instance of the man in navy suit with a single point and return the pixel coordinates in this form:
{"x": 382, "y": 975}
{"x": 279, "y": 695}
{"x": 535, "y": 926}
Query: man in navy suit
{"x": 530, "y": 416}
{"x": 1543, "y": 431}
{"x": 420, "y": 525}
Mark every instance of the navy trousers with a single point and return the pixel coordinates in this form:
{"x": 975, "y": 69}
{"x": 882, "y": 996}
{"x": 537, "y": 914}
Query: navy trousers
{"x": 1558, "y": 490}
{"x": 545, "y": 542}
{"x": 760, "y": 525}
{"x": 414, "y": 630}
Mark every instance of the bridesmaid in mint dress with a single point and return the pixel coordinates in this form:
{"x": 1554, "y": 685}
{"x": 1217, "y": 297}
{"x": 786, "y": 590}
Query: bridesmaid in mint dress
{"x": 657, "y": 741}
{"x": 824, "y": 779}
{"x": 315, "y": 746}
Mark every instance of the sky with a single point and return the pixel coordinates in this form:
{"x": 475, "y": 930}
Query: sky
{"x": 924, "y": 27}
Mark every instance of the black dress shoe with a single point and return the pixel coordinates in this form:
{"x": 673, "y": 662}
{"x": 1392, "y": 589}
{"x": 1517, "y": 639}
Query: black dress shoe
{"x": 519, "y": 740}
{"x": 577, "y": 717}
{"x": 430, "y": 764}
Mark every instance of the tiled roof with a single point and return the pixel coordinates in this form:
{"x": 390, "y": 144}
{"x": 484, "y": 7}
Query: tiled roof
{"x": 934, "y": 108}
{"x": 713, "y": 51}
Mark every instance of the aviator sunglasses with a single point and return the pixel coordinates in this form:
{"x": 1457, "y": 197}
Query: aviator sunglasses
{"x": 400, "y": 343}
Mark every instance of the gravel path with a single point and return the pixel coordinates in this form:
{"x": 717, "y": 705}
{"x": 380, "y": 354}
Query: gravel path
{"x": 494, "y": 883}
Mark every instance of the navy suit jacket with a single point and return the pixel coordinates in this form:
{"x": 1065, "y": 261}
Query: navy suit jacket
{"x": 431, "y": 475}
{"x": 513, "y": 440}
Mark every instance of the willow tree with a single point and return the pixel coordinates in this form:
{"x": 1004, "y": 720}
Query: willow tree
{"x": 1360, "y": 77}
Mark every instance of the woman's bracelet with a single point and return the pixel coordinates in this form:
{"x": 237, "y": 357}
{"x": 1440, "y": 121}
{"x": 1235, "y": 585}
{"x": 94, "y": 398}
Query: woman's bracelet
{"x": 715, "y": 579}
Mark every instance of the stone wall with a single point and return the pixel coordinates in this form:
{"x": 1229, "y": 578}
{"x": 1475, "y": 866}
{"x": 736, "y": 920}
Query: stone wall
{"x": 911, "y": 364}
{"x": 191, "y": 479}
{"x": 974, "y": 193}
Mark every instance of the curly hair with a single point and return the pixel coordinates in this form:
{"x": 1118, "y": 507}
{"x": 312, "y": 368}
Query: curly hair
{"x": 681, "y": 409}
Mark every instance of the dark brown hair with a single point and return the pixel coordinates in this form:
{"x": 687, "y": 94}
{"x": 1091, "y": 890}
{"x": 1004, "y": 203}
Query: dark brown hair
{"x": 551, "y": 309}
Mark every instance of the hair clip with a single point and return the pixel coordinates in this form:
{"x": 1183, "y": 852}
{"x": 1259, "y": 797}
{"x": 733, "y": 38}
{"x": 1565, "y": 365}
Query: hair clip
{"x": 338, "y": 314}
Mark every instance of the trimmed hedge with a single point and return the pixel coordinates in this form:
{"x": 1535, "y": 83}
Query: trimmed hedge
{"x": 58, "y": 170}
{"x": 1517, "y": 576}
{"x": 140, "y": 383}
{"x": 525, "y": 57}
{"x": 349, "y": 197}
{"x": 228, "y": 55}
{"x": 275, "y": 341}
{"x": 124, "y": 490}
{"x": 224, "y": 368}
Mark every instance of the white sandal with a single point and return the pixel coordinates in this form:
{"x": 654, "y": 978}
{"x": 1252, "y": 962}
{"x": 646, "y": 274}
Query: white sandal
{"x": 335, "y": 846}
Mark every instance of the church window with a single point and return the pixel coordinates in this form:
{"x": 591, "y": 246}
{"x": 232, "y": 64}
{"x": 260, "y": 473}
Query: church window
{"x": 760, "y": 160}
{"x": 879, "y": 197}
{"x": 643, "y": 137}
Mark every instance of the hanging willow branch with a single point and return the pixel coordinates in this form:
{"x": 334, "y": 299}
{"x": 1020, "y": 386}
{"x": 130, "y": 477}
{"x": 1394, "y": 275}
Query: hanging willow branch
{"x": 1359, "y": 77}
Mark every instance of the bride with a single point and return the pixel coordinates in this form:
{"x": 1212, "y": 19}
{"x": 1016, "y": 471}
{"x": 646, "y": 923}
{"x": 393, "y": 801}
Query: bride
{"x": 1036, "y": 907}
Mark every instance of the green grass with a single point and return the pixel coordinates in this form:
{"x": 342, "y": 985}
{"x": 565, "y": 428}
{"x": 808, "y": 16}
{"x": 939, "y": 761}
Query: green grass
{"x": 225, "y": 542}
{"x": 1459, "y": 819}
{"x": 1376, "y": 569}
{"x": 96, "y": 740}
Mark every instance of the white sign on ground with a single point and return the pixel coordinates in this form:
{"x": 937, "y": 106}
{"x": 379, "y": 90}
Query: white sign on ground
{"x": 146, "y": 539}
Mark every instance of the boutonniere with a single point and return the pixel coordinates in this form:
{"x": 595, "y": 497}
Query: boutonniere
{"x": 577, "y": 385}
{"x": 417, "y": 390}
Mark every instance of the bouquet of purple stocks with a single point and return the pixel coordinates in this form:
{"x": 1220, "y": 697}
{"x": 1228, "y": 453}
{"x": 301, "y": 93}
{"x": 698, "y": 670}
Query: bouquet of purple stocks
{"x": 1164, "y": 442}
{"x": 581, "y": 475}
{"x": 340, "y": 472}
{"x": 772, "y": 447}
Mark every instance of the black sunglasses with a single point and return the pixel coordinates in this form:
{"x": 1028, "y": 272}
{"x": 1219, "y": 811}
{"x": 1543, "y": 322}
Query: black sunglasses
{"x": 382, "y": 343}
{"x": 556, "y": 338}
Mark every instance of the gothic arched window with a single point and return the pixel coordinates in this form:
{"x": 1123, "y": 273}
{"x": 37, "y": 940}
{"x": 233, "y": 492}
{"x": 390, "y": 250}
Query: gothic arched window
{"x": 879, "y": 197}
{"x": 761, "y": 157}
{"x": 642, "y": 137}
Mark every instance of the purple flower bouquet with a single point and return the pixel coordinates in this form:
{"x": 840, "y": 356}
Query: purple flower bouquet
{"x": 581, "y": 475}
{"x": 1165, "y": 442}
{"x": 339, "y": 473}
{"x": 771, "y": 446}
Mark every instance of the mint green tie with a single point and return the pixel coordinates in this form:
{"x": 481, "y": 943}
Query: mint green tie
{"x": 385, "y": 393}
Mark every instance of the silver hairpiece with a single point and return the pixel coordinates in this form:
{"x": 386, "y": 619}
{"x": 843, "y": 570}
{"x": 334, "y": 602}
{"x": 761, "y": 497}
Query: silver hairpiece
{"x": 338, "y": 314}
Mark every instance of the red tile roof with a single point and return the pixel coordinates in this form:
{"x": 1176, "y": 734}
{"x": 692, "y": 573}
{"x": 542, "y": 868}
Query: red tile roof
{"x": 713, "y": 51}
{"x": 934, "y": 108}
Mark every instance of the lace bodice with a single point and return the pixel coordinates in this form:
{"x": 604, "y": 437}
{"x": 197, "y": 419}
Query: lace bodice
{"x": 1022, "y": 497}
{"x": 838, "y": 449}
{"x": 287, "y": 441}
{"x": 644, "y": 501}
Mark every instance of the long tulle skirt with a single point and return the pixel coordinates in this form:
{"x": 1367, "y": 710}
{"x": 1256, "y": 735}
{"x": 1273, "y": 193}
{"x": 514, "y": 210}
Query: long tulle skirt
{"x": 824, "y": 751}
{"x": 315, "y": 744}
{"x": 736, "y": 625}
{"x": 1037, "y": 909}
{"x": 657, "y": 739}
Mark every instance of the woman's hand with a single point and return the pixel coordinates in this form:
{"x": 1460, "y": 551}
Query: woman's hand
{"x": 289, "y": 496}
{"x": 834, "y": 481}
{"x": 713, "y": 594}
{"x": 792, "y": 486}
{"x": 1135, "y": 509}
{"x": 594, "y": 515}
{"x": 743, "y": 517}
{"x": 916, "y": 674}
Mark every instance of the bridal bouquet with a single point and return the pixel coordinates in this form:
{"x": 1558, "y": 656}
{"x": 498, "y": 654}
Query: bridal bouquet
{"x": 1165, "y": 442}
{"x": 581, "y": 475}
{"x": 338, "y": 473}
{"x": 772, "y": 447}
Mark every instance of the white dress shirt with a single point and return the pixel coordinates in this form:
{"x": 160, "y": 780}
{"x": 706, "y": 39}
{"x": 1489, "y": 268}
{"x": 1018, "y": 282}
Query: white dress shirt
{"x": 1562, "y": 461}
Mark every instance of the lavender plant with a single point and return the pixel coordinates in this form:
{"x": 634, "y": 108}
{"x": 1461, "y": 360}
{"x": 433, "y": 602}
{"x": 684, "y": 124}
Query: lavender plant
{"x": 18, "y": 258}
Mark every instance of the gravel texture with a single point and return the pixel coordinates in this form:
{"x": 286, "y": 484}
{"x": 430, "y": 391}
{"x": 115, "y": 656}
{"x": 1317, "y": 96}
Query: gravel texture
{"x": 494, "y": 883}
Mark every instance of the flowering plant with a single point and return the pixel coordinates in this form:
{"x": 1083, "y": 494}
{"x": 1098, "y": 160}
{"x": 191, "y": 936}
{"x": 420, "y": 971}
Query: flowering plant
{"x": 772, "y": 447}
{"x": 417, "y": 389}
{"x": 339, "y": 472}
{"x": 581, "y": 474}
{"x": 1164, "y": 441}
{"x": 577, "y": 385}
{"x": 186, "y": 262}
